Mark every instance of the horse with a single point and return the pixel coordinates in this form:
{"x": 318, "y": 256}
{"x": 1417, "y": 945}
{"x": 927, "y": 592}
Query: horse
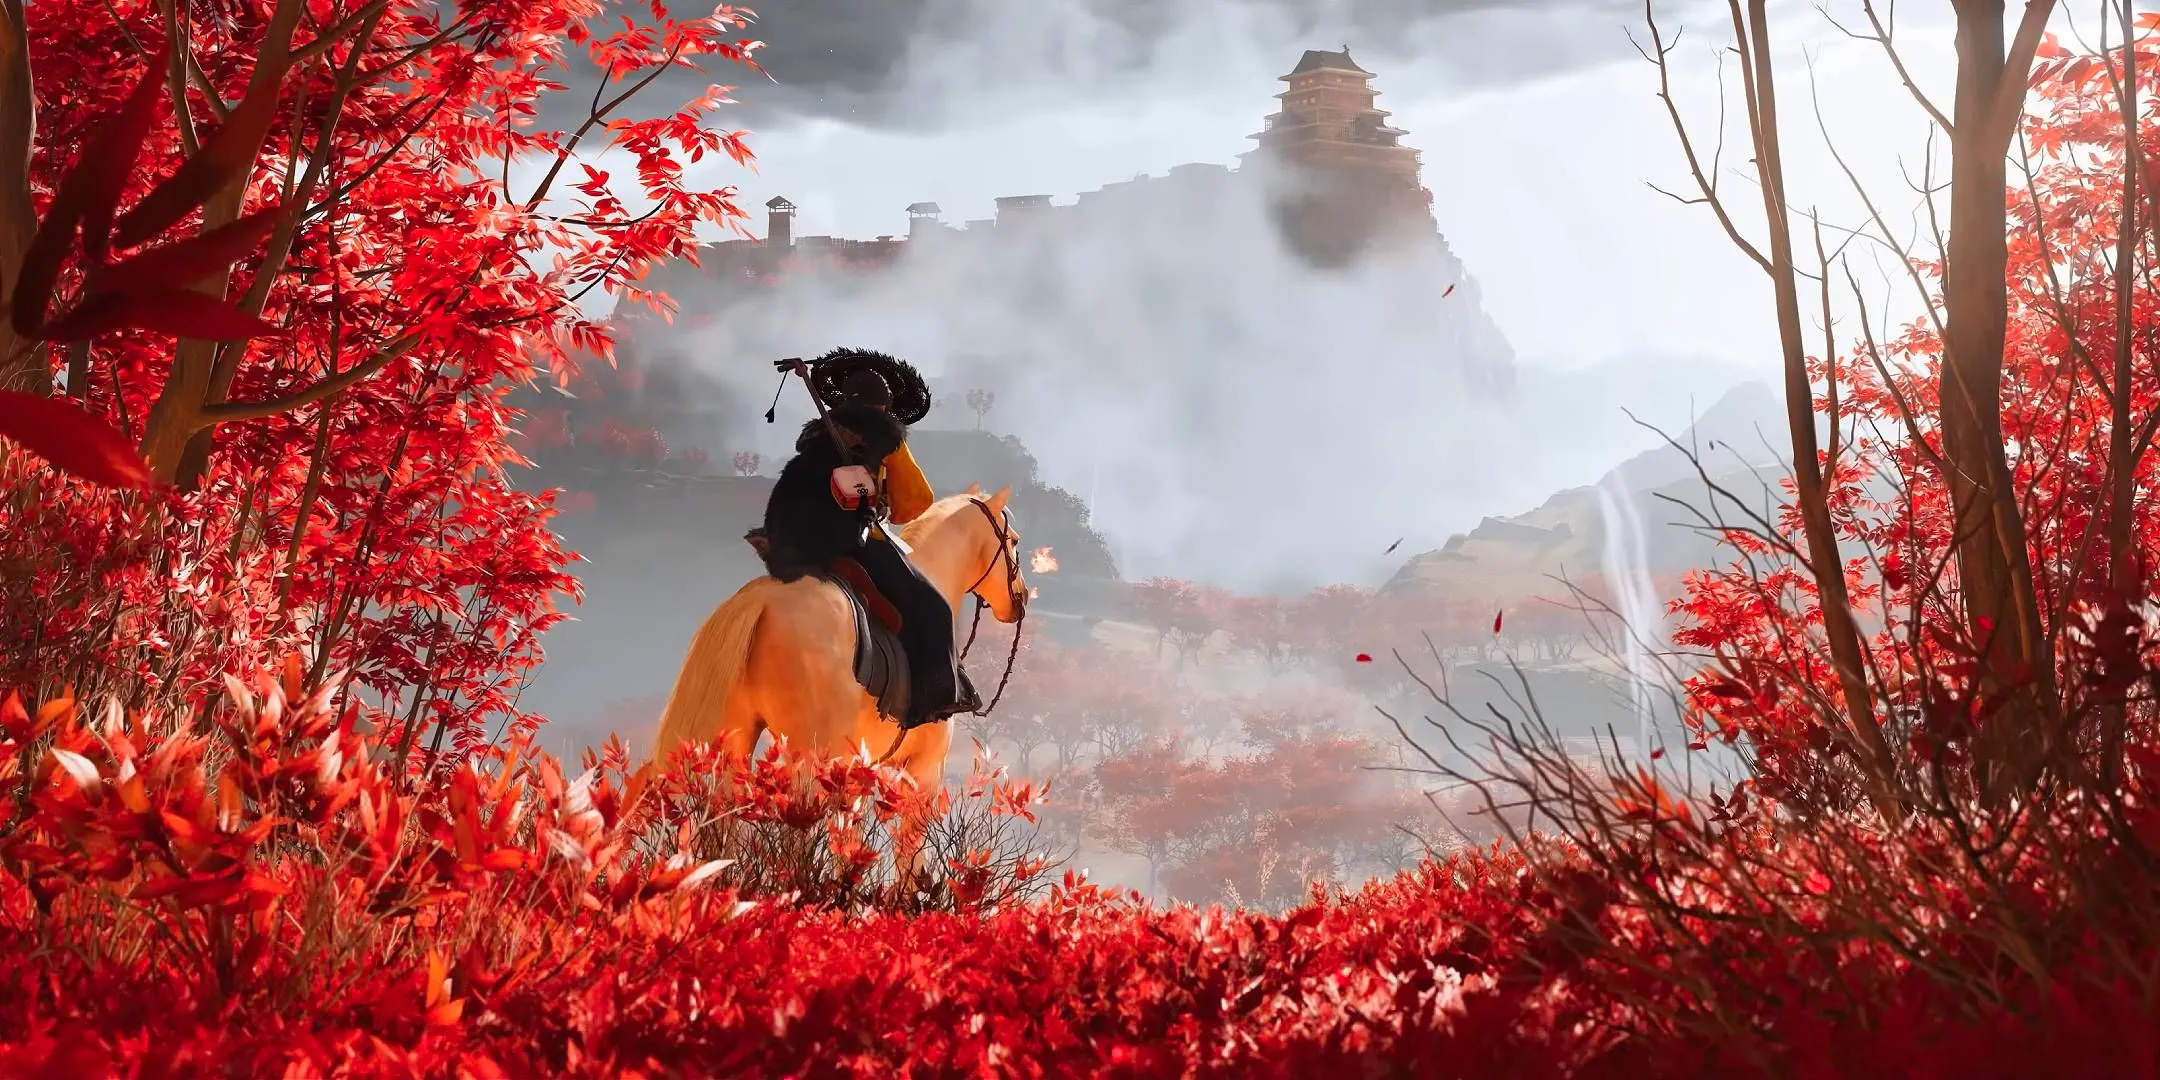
{"x": 780, "y": 657}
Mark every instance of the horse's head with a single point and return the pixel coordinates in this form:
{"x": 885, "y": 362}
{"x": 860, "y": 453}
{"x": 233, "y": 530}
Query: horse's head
{"x": 997, "y": 579}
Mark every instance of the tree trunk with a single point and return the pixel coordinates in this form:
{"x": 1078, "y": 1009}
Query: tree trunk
{"x": 1811, "y": 487}
{"x": 24, "y": 366}
{"x": 2122, "y": 456}
{"x": 179, "y": 417}
{"x": 1994, "y": 567}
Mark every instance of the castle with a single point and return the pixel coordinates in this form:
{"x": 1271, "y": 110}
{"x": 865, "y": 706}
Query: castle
{"x": 1340, "y": 181}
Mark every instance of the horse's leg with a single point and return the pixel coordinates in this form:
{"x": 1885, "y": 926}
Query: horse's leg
{"x": 739, "y": 738}
{"x": 922, "y": 757}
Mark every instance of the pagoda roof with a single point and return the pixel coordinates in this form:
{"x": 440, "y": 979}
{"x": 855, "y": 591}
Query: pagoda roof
{"x": 924, "y": 208}
{"x": 1279, "y": 129}
{"x": 779, "y": 202}
{"x": 1366, "y": 90}
{"x": 1322, "y": 60}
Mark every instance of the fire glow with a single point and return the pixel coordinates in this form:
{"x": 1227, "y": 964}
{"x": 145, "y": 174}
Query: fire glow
{"x": 1042, "y": 561}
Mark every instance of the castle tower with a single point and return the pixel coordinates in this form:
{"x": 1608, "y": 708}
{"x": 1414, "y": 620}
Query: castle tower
{"x": 1353, "y": 180}
{"x": 779, "y": 222}
{"x": 922, "y": 219}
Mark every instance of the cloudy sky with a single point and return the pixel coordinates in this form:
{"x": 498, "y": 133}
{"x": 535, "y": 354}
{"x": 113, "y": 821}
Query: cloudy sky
{"x": 1538, "y": 121}
{"x": 1541, "y": 132}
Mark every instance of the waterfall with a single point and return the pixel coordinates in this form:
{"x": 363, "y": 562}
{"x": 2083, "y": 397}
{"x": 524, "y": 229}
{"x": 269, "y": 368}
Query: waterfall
{"x": 1627, "y": 568}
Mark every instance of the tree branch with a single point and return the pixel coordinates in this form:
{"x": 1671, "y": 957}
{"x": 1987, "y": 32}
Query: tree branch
{"x": 326, "y": 387}
{"x": 1882, "y": 36}
{"x": 1657, "y": 55}
{"x": 176, "y": 76}
{"x": 2010, "y": 91}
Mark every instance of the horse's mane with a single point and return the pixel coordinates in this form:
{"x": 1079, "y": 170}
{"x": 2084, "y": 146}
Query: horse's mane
{"x": 938, "y": 513}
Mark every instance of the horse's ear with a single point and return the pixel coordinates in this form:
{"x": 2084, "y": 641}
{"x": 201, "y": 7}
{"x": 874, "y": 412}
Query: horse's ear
{"x": 998, "y": 501}
{"x": 974, "y": 489}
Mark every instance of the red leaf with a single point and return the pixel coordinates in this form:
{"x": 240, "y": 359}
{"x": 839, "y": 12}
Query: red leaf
{"x": 72, "y": 440}
{"x": 180, "y": 312}
{"x": 502, "y": 859}
{"x": 156, "y": 887}
{"x": 1447, "y": 292}
{"x": 1657, "y": 753}
{"x": 1817, "y": 883}
{"x": 1364, "y": 658}
{"x": 185, "y": 262}
{"x": 1496, "y": 619}
{"x": 85, "y": 197}
{"x": 225, "y": 158}
{"x": 1893, "y": 572}
{"x": 446, "y": 1014}
{"x": 106, "y": 164}
{"x": 1726, "y": 688}
{"x": 41, "y": 263}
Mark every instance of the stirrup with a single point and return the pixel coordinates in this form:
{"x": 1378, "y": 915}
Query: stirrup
{"x": 970, "y": 700}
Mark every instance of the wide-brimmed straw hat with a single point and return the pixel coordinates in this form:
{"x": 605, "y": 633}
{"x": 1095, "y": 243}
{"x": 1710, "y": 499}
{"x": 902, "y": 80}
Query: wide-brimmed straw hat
{"x": 910, "y": 392}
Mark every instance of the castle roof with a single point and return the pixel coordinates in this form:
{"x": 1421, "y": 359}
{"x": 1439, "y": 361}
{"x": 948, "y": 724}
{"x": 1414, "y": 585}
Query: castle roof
{"x": 1322, "y": 60}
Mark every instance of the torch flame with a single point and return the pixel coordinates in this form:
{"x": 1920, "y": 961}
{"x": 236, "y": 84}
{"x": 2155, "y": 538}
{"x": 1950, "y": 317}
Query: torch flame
{"x": 1042, "y": 561}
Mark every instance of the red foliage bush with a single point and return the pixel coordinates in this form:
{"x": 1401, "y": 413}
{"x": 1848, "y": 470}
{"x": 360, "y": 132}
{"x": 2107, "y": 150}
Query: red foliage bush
{"x": 256, "y": 893}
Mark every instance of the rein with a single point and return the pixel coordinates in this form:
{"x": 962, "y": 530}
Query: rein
{"x": 1006, "y": 555}
{"x": 1012, "y": 589}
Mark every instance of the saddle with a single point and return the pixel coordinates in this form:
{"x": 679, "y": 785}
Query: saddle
{"x": 881, "y": 665}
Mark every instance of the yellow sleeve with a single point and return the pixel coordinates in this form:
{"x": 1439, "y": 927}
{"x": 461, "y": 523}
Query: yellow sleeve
{"x": 905, "y": 487}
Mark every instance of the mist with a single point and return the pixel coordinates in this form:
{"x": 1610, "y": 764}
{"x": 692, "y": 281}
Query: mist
{"x": 1228, "y": 413}
{"x": 1364, "y": 409}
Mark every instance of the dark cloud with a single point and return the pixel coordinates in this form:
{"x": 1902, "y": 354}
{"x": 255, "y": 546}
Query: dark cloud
{"x": 851, "y": 59}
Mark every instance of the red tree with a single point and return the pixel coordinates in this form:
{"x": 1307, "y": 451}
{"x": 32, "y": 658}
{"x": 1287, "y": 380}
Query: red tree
{"x": 1183, "y": 614}
{"x": 339, "y": 487}
{"x": 1257, "y": 828}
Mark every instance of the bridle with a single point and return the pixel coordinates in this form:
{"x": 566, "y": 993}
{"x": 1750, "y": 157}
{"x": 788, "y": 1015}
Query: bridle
{"x": 1001, "y": 527}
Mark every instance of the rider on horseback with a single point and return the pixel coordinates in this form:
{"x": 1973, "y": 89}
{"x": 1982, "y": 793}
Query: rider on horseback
{"x": 817, "y": 514}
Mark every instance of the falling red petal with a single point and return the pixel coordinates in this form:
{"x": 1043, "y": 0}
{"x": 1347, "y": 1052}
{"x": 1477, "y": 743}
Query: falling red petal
{"x": 72, "y": 440}
{"x": 1364, "y": 658}
{"x": 1497, "y": 617}
{"x": 1449, "y": 291}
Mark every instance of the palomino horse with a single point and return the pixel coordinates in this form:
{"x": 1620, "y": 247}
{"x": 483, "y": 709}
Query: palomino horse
{"x": 781, "y": 657}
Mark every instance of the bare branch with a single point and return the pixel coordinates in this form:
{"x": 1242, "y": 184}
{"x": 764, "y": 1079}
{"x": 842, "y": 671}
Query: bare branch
{"x": 1658, "y": 55}
{"x": 1884, "y": 36}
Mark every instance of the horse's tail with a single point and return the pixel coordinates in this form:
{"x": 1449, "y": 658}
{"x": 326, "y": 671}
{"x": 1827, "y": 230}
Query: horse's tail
{"x": 713, "y": 669}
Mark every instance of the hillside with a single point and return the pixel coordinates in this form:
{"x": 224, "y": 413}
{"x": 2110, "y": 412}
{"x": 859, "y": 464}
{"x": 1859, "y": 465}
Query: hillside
{"x": 1506, "y": 558}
